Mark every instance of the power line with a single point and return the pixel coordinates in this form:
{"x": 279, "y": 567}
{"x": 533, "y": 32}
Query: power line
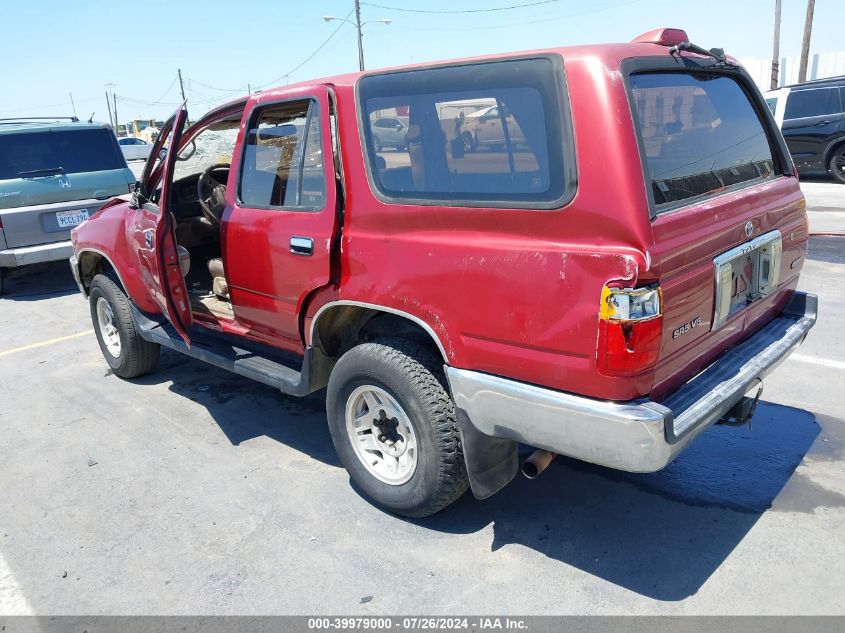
{"x": 487, "y": 27}
{"x": 311, "y": 56}
{"x": 454, "y": 11}
{"x": 191, "y": 80}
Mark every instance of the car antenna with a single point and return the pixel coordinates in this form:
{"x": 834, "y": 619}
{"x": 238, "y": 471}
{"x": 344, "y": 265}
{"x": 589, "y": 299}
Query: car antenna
{"x": 91, "y": 118}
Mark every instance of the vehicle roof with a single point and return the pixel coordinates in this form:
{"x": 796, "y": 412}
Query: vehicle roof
{"x": 819, "y": 83}
{"x": 30, "y": 125}
{"x": 611, "y": 55}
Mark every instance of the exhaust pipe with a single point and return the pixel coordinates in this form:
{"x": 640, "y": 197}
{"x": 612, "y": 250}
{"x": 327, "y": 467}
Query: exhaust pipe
{"x": 537, "y": 463}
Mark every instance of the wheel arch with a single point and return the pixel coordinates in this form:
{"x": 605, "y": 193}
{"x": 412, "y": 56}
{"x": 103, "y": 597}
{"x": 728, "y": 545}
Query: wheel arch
{"x": 832, "y": 149}
{"x": 339, "y": 325}
{"x": 92, "y": 262}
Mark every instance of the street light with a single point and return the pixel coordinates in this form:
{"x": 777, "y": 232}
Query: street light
{"x": 358, "y": 24}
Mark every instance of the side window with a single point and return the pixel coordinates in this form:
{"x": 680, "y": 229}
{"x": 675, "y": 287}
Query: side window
{"x": 282, "y": 165}
{"x": 489, "y": 134}
{"x": 808, "y": 103}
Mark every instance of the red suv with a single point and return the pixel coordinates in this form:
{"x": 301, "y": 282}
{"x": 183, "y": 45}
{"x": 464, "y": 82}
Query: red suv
{"x": 606, "y": 286}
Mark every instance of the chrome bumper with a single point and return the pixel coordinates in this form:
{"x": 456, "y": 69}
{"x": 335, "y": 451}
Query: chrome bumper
{"x": 23, "y": 255}
{"x": 636, "y": 436}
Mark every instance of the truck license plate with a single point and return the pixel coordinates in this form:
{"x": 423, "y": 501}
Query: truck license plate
{"x": 68, "y": 219}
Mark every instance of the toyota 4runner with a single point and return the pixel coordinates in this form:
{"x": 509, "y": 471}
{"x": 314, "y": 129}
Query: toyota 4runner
{"x": 605, "y": 286}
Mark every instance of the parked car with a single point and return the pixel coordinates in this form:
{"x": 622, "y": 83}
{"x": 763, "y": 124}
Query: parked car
{"x": 484, "y": 128}
{"x": 134, "y": 148}
{"x": 812, "y": 118}
{"x": 607, "y": 293}
{"x": 53, "y": 174}
{"x": 389, "y": 132}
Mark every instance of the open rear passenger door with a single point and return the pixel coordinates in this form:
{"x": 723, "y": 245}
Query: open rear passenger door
{"x": 154, "y": 236}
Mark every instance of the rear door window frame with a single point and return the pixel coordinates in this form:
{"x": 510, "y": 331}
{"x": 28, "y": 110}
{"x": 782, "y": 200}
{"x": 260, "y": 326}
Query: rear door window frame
{"x": 682, "y": 64}
{"x": 564, "y": 116}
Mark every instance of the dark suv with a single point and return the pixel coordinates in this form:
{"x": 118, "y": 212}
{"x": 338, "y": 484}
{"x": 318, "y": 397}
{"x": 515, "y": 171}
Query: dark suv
{"x": 812, "y": 118}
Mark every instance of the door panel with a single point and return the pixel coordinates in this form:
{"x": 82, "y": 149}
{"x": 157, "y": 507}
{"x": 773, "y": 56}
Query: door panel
{"x": 153, "y": 232}
{"x": 812, "y": 121}
{"x": 280, "y": 222}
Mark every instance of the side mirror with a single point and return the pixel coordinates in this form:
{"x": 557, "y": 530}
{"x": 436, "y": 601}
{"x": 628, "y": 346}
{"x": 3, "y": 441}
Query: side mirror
{"x": 399, "y": 127}
{"x": 187, "y": 151}
{"x": 135, "y": 200}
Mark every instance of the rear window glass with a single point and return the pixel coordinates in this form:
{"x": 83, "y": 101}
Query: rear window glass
{"x": 808, "y": 103}
{"x": 75, "y": 151}
{"x": 478, "y": 134}
{"x": 700, "y": 134}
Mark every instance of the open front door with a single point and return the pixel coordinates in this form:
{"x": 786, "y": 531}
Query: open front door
{"x": 154, "y": 236}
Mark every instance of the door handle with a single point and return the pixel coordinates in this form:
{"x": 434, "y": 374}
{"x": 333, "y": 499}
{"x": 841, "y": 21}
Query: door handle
{"x": 822, "y": 123}
{"x": 302, "y": 246}
{"x": 148, "y": 238}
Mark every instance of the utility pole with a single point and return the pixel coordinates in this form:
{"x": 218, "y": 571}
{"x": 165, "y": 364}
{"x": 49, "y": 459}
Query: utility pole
{"x": 72, "y": 105}
{"x": 108, "y": 103}
{"x": 776, "y": 48}
{"x": 114, "y": 96}
{"x": 181, "y": 85}
{"x": 360, "y": 36}
{"x": 805, "y": 44}
{"x": 248, "y": 89}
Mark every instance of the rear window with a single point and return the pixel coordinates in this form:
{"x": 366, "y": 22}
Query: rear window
{"x": 700, "y": 134}
{"x": 75, "y": 151}
{"x": 490, "y": 134}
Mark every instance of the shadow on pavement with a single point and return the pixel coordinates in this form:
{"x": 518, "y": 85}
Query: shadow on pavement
{"x": 39, "y": 281}
{"x": 245, "y": 409}
{"x": 661, "y": 535}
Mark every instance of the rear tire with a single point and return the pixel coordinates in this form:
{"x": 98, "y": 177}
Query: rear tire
{"x": 837, "y": 164}
{"x": 2, "y": 281}
{"x": 125, "y": 351}
{"x": 395, "y": 389}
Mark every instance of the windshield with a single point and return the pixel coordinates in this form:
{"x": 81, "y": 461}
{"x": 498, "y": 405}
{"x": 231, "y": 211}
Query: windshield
{"x": 56, "y": 151}
{"x": 700, "y": 135}
{"x": 214, "y": 145}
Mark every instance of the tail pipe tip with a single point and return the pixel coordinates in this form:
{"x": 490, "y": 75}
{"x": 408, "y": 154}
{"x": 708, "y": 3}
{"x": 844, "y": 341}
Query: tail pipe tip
{"x": 536, "y": 463}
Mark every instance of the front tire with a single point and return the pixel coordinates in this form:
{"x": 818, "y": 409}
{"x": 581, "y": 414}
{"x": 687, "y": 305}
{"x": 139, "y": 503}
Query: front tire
{"x": 837, "y": 165}
{"x": 394, "y": 427}
{"x": 125, "y": 351}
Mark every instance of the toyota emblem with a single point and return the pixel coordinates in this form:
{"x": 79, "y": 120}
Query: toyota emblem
{"x": 749, "y": 228}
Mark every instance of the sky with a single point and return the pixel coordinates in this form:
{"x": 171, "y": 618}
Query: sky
{"x": 57, "y": 47}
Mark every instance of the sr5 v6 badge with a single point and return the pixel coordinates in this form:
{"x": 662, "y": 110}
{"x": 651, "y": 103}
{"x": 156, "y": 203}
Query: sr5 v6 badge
{"x": 686, "y": 327}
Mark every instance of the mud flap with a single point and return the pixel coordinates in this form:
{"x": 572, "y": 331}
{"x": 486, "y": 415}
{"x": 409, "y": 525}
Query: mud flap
{"x": 491, "y": 462}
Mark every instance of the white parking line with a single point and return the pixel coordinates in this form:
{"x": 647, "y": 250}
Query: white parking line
{"x": 12, "y": 600}
{"x": 821, "y": 362}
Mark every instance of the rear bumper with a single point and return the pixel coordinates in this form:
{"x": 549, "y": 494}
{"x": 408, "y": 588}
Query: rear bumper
{"x": 23, "y": 255}
{"x": 636, "y": 436}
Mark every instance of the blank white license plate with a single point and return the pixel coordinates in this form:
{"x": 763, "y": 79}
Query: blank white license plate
{"x": 68, "y": 219}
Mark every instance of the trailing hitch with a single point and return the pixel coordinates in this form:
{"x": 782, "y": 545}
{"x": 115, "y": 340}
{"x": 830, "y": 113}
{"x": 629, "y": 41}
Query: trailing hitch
{"x": 742, "y": 412}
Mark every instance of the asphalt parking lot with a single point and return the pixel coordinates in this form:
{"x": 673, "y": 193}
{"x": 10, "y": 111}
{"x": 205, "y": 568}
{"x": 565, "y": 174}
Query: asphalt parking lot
{"x": 194, "y": 491}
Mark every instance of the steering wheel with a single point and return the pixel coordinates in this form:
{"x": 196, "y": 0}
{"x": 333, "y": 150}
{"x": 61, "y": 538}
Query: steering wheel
{"x": 211, "y": 194}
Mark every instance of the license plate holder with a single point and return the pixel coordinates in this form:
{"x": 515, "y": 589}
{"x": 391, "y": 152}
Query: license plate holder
{"x": 70, "y": 219}
{"x": 745, "y": 274}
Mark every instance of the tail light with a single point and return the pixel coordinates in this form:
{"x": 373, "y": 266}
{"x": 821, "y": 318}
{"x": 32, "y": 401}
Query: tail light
{"x": 630, "y": 328}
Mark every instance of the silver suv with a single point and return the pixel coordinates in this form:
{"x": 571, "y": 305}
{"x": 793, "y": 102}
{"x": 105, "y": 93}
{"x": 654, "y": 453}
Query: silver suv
{"x": 54, "y": 174}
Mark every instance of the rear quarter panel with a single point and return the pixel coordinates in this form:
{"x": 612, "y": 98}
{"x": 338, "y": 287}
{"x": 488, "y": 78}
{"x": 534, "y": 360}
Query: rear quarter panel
{"x": 512, "y": 292}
